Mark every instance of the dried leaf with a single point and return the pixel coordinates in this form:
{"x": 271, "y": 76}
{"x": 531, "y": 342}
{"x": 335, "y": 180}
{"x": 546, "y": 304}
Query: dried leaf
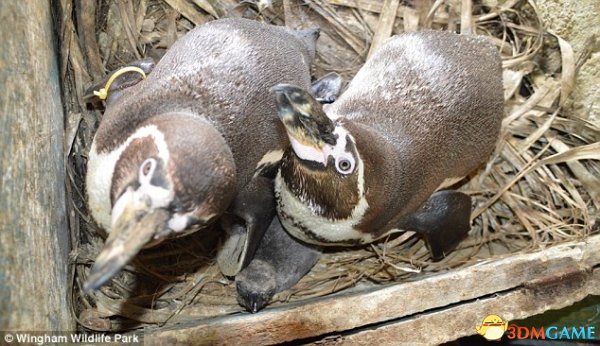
{"x": 385, "y": 25}
{"x": 567, "y": 78}
{"x": 584, "y": 152}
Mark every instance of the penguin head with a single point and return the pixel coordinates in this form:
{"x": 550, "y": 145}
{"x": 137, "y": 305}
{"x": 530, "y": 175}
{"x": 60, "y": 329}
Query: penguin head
{"x": 174, "y": 175}
{"x": 323, "y": 167}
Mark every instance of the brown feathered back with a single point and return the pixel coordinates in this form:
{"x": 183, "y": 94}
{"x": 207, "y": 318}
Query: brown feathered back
{"x": 433, "y": 100}
{"x": 222, "y": 71}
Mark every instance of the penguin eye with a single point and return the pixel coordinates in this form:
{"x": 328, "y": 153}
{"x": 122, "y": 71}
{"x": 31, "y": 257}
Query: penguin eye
{"x": 147, "y": 167}
{"x": 345, "y": 166}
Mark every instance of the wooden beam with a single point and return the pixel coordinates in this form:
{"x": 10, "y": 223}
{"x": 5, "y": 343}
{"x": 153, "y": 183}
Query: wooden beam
{"x": 353, "y": 310}
{"x": 450, "y": 324}
{"x": 34, "y": 237}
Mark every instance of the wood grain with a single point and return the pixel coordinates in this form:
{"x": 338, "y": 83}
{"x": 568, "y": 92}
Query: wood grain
{"x": 34, "y": 239}
{"x": 455, "y": 322}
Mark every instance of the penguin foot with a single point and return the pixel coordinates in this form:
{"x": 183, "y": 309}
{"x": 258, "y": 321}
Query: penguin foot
{"x": 280, "y": 262}
{"x": 443, "y": 221}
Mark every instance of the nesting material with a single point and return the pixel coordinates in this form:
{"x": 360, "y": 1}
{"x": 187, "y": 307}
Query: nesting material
{"x": 540, "y": 187}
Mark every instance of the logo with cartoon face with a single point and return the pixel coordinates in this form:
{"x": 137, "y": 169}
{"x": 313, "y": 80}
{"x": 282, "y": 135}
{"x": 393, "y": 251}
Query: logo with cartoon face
{"x": 492, "y": 327}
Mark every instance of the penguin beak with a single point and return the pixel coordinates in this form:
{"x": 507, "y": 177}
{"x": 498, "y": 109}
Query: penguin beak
{"x": 134, "y": 228}
{"x": 303, "y": 117}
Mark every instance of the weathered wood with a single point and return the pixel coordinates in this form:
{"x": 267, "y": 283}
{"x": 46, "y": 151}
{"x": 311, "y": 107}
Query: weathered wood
{"x": 455, "y": 322}
{"x": 34, "y": 239}
{"x": 348, "y": 311}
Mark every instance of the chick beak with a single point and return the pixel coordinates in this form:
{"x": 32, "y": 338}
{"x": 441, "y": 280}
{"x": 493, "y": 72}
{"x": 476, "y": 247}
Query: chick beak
{"x": 133, "y": 230}
{"x": 303, "y": 116}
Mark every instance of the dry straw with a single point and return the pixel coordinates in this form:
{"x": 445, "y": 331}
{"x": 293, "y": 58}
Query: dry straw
{"x": 540, "y": 187}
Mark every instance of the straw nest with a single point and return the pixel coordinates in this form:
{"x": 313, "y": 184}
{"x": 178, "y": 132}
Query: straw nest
{"x": 539, "y": 188}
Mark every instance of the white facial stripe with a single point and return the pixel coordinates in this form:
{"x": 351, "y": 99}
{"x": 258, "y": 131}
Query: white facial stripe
{"x": 159, "y": 196}
{"x": 101, "y": 167}
{"x": 338, "y": 152}
{"x": 310, "y": 153}
{"x": 307, "y": 152}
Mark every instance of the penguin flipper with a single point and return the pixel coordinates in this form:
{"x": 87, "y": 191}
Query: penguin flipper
{"x": 280, "y": 262}
{"x": 327, "y": 88}
{"x": 443, "y": 221}
{"x": 245, "y": 223}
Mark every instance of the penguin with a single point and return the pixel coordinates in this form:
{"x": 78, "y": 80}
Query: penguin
{"x": 195, "y": 139}
{"x": 425, "y": 108}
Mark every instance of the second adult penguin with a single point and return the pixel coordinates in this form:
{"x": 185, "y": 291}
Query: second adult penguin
{"x": 426, "y": 107}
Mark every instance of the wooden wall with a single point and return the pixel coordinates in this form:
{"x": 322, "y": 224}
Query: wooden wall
{"x": 34, "y": 239}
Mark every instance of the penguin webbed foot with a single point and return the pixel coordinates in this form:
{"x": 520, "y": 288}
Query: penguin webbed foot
{"x": 245, "y": 224}
{"x": 443, "y": 221}
{"x": 327, "y": 88}
{"x": 280, "y": 262}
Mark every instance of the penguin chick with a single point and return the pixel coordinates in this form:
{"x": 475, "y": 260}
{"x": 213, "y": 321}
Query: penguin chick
{"x": 173, "y": 150}
{"x": 271, "y": 271}
{"x": 426, "y": 107}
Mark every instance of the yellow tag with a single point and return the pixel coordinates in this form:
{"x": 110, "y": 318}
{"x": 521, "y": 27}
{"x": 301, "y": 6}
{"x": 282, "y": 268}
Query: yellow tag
{"x": 103, "y": 93}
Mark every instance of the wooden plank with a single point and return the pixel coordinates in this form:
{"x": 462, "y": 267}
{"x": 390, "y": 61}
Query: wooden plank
{"x": 385, "y": 24}
{"x": 455, "y": 322}
{"x": 34, "y": 238}
{"x": 349, "y": 311}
